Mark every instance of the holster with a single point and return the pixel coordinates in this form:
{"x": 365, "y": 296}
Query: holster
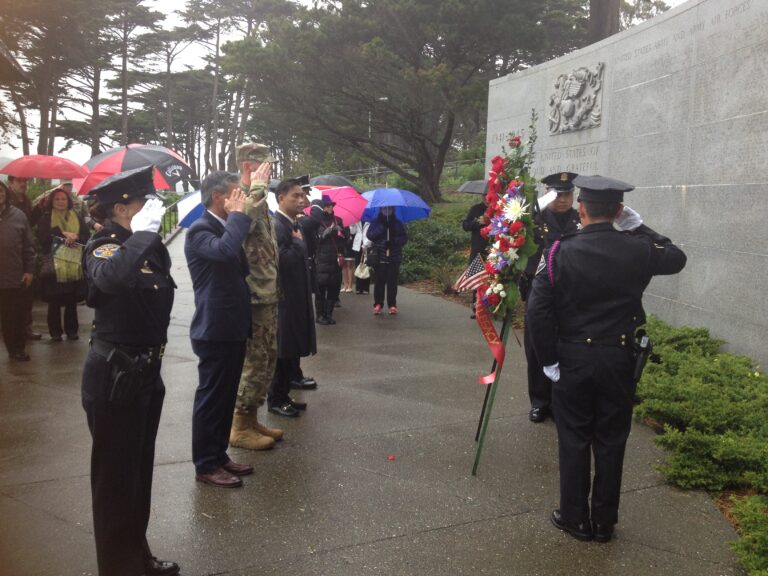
{"x": 126, "y": 371}
{"x": 642, "y": 348}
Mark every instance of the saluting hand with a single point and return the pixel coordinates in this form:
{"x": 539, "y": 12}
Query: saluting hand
{"x": 235, "y": 202}
{"x": 261, "y": 171}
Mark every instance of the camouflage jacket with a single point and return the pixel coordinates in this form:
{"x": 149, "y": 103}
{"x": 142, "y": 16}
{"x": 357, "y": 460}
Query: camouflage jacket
{"x": 260, "y": 247}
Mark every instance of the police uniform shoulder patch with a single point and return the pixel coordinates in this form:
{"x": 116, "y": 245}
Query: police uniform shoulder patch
{"x": 105, "y": 251}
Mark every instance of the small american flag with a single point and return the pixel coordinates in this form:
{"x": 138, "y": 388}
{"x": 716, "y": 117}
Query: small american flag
{"x": 473, "y": 277}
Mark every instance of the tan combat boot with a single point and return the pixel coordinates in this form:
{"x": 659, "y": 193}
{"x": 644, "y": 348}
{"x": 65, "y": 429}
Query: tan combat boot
{"x": 243, "y": 435}
{"x": 274, "y": 433}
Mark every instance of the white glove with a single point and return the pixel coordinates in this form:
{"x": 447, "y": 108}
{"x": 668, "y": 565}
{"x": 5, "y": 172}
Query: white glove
{"x": 552, "y": 372}
{"x": 148, "y": 219}
{"x": 628, "y": 220}
{"x": 546, "y": 199}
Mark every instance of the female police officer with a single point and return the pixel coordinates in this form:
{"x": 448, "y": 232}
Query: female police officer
{"x": 131, "y": 289}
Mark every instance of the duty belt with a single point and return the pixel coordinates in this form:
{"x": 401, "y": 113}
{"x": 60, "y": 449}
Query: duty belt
{"x": 621, "y": 340}
{"x": 104, "y": 349}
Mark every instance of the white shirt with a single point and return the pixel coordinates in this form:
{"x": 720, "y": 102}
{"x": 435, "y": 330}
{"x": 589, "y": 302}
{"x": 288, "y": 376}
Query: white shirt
{"x": 219, "y": 218}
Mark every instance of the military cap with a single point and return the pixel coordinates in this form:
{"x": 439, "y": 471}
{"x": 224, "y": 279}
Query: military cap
{"x": 601, "y": 189}
{"x": 561, "y": 182}
{"x": 253, "y": 152}
{"x": 303, "y": 181}
{"x": 123, "y": 187}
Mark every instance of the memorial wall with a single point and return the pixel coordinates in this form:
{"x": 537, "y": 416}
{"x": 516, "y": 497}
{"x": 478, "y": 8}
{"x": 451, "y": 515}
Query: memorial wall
{"x": 677, "y": 106}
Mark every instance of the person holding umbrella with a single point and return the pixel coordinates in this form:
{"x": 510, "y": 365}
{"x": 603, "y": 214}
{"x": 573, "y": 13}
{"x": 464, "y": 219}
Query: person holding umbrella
{"x": 388, "y": 236}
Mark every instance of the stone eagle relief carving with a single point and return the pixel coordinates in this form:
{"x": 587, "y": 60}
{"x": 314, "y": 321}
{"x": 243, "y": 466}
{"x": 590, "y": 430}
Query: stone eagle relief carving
{"x": 576, "y": 101}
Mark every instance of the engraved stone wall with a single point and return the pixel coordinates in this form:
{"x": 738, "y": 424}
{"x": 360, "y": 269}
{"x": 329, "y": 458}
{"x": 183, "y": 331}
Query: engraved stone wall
{"x": 682, "y": 113}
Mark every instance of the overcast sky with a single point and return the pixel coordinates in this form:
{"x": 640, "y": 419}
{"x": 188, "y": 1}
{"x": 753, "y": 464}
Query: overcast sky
{"x": 190, "y": 57}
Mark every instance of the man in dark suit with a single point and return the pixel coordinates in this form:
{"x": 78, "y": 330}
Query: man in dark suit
{"x": 220, "y": 326}
{"x": 295, "y": 318}
{"x": 555, "y": 220}
{"x": 584, "y": 308}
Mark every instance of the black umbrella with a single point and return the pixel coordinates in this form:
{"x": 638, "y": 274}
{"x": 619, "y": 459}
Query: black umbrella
{"x": 169, "y": 164}
{"x": 331, "y": 180}
{"x": 474, "y": 187}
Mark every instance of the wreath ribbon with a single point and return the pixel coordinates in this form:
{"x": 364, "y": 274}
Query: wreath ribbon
{"x": 485, "y": 322}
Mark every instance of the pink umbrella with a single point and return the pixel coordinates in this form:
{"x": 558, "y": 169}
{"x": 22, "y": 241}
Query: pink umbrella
{"x": 40, "y": 166}
{"x": 349, "y": 203}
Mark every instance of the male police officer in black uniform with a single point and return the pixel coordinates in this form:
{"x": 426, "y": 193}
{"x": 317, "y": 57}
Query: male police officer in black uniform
{"x": 130, "y": 286}
{"x": 557, "y": 219}
{"x": 584, "y": 308}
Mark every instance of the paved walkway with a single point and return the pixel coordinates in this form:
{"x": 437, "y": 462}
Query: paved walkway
{"x": 328, "y": 500}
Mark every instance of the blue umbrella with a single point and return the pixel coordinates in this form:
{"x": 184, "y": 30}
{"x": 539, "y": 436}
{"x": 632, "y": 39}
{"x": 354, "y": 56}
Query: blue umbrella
{"x": 407, "y": 205}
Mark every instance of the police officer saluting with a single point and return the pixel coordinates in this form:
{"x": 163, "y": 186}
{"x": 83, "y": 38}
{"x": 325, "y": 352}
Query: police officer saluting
{"x": 555, "y": 220}
{"x": 583, "y": 311}
{"x": 131, "y": 289}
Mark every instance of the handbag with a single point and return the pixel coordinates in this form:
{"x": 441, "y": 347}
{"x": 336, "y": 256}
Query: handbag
{"x": 47, "y": 268}
{"x": 363, "y": 271}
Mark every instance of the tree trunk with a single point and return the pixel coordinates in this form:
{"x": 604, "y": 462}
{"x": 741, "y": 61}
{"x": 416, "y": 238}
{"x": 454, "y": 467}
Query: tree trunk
{"x": 54, "y": 119}
{"x": 213, "y": 136}
{"x": 43, "y": 95}
{"x": 124, "y": 83}
{"x": 22, "y": 122}
{"x": 226, "y": 130}
{"x": 604, "y": 19}
{"x": 96, "y": 112}
{"x": 168, "y": 105}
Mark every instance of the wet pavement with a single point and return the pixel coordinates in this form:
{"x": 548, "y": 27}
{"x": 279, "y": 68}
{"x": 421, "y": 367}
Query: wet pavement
{"x": 329, "y": 499}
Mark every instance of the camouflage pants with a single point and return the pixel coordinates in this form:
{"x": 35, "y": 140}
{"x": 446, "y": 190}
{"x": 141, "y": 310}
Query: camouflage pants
{"x": 260, "y": 359}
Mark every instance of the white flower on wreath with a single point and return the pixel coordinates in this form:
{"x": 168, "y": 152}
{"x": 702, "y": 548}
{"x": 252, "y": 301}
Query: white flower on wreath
{"x": 514, "y": 209}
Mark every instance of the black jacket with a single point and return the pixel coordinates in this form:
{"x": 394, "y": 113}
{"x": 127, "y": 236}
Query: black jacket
{"x": 130, "y": 286}
{"x": 590, "y": 286}
{"x": 478, "y": 244}
{"x": 295, "y": 315}
{"x": 388, "y": 236}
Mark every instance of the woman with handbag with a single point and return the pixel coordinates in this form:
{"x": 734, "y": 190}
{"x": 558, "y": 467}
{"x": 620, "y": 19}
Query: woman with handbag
{"x": 360, "y": 246}
{"x": 62, "y": 233}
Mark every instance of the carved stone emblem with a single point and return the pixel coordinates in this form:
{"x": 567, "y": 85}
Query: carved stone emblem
{"x": 576, "y": 102}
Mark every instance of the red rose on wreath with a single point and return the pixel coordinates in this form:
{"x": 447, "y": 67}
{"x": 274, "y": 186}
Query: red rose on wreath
{"x": 484, "y": 231}
{"x": 497, "y": 164}
{"x": 515, "y": 227}
{"x": 503, "y": 245}
{"x": 515, "y": 141}
{"x": 489, "y": 268}
{"x": 494, "y": 299}
{"x": 518, "y": 242}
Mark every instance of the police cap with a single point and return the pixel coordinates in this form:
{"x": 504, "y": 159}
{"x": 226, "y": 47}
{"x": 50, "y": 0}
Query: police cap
{"x": 601, "y": 189}
{"x": 560, "y": 182}
{"x": 253, "y": 152}
{"x": 123, "y": 187}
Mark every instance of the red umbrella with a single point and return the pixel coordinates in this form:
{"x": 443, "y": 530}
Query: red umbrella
{"x": 39, "y": 166}
{"x": 84, "y": 185}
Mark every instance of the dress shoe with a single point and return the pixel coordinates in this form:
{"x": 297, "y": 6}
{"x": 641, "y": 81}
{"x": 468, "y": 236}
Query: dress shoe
{"x": 220, "y": 478}
{"x": 284, "y": 410}
{"x": 34, "y": 335}
{"x": 73, "y": 337}
{"x": 239, "y": 469}
{"x": 603, "y": 532}
{"x": 303, "y": 384}
{"x": 20, "y": 356}
{"x": 582, "y": 531}
{"x": 322, "y": 320}
{"x": 538, "y": 414}
{"x": 298, "y": 405}
{"x": 155, "y": 567}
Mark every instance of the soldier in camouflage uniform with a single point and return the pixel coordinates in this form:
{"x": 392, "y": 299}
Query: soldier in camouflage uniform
{"x": 260, "y": 247}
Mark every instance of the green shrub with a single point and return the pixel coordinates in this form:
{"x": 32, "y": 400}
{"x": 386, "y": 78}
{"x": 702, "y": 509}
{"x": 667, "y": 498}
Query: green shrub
{"x": 439, "y": 241}
{"x": 712, "y": 405}
{"x": 751, "y": 513}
